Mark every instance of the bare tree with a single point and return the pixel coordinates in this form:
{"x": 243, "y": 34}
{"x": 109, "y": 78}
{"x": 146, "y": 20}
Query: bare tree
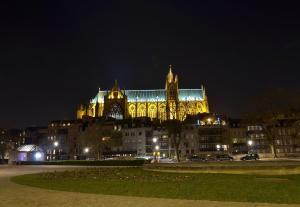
{"x": 98, "y": 139}
{"x": 295, "y": 132}
{"x": 3, "y": 149}
{"x": 174, "y": 128}
{"x": 270, "y": 107}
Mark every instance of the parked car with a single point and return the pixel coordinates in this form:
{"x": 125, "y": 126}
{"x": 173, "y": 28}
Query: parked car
{"x": 196, "y": 158}
{"x": 211, "y": 158}
{"x": 224, "y": 157}
{"x": 166, "y": 160}
{"x": 144, "y": 158}
{"x": 250, "y": 157}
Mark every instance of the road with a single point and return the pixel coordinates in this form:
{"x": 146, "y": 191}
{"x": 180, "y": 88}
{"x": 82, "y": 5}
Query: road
{"x": 14, "y": 195}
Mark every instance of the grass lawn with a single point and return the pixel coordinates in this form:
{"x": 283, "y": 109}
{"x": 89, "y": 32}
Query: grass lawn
{"x": 252, "y": 167}
{"x": 140, "y": 182}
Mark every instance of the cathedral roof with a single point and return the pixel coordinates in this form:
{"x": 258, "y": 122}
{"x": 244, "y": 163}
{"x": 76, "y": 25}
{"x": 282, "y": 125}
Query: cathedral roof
{"x": 154, "y": 95}
{"x": 146, "y": 95}
{"x": 191, "y": 94}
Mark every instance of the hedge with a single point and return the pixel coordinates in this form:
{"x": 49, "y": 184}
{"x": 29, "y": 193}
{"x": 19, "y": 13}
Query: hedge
{"x": 3, "y": 161}
{"x": 87, "y": 162}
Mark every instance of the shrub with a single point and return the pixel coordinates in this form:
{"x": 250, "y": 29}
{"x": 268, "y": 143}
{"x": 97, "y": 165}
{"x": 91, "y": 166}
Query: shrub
{"x": 87, "y": 162}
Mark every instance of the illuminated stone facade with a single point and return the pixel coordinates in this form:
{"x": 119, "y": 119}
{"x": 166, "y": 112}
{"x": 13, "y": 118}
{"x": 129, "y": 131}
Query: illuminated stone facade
{"x": 162, "y": 104}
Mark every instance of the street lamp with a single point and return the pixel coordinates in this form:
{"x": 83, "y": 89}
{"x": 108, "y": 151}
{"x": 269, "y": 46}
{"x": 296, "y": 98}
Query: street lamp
{"x": 86, "y": 150}
{"x": 250, "y": 143}
{"x": 218, "y": 147}
{"x": 209, "y": 120}
{"x": 56, "y": 144}
{"x": 156, "y": 153}
{"x": 154, "y": 139}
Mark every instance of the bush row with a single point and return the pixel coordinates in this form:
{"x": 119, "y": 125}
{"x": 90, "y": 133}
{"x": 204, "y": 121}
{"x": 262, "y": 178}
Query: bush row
{"x": 3, "y": 161}
{"x": 87, "y": 162}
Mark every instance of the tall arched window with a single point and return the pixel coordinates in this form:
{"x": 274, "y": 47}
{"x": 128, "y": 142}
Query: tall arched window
{"x": 116, "y": 112}
{"x": 162, "y": 111}
{"x": 152, "y": 111}
{"x": 199, "y": 108}
{"x": 141, "y": 111}
{"x": 132, "y": 111}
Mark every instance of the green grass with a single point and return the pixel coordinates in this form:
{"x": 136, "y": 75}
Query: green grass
{"x": 198, "y": 186}
{"x": 276, "y": 163}
{"x": 255, "y": 167}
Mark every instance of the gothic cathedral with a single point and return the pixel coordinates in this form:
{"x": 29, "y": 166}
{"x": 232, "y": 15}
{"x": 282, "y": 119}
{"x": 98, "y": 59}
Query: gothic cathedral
{"x": 163, "y": 104}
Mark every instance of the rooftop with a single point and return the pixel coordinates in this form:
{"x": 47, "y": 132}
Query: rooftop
{"x": 154, "y": 95}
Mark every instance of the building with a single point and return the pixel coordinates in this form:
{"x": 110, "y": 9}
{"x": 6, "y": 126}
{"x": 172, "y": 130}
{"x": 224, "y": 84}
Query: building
{"x": 246, "y": 137}
{"x": 237, "y": 132}
{"x": 60, "y": 142}
{"x": 205, "y": 134}
{"x": 136, "y": 133}
{"x": 288, "y": 137}
{"x": 27, "y": 153}
{"x": 10, "y": 139}
{"x": 36, "y": 135}
{"x": 160, "y": 143}
{"x": 141, "y": 136}
{"x": 168, "y": 103}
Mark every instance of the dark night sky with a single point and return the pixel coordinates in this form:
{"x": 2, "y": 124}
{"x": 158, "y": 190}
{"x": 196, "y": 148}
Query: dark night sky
{"x": 55, "y": 54}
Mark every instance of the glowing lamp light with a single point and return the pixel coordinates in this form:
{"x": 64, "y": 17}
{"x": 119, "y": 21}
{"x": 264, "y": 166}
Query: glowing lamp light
{"x": 86, "y": 150}
{"x": 209, "y": 120}
{"x": 156, "y": 147}
{"x": 55, "y": 143}
{"x": 154, "y": 140}
{"x": 38, "y": 155}
{"x": 218, "y": 146}
{"x": 250, "y": 142}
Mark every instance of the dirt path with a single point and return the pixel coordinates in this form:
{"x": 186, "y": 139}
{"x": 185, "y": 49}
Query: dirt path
{"x": 14, "y": 195}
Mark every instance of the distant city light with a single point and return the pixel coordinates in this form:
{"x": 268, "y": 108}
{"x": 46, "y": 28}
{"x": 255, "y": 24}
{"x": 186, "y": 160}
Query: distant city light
{"x": 218, "y": 146}
{"x": 55, "y": 143}
{"x": 156, "y": 147}
{"x": 154, "y": 140}
{"x": 86, "y": 150}
{"x": 250, "y": 142}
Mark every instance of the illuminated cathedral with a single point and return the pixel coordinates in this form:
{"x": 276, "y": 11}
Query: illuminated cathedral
{"x": 162, "y": 104}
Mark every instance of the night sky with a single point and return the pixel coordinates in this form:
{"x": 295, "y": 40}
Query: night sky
{"x": 56, "y": 54}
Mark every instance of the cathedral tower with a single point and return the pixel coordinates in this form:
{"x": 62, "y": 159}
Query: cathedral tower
{"x": 172, "y": 102}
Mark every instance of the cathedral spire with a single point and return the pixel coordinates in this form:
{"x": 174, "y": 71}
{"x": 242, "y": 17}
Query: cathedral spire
{"x": 176, "y": 79}
{"x": 115, "y": 85}
{"x": 170, "y": 74}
